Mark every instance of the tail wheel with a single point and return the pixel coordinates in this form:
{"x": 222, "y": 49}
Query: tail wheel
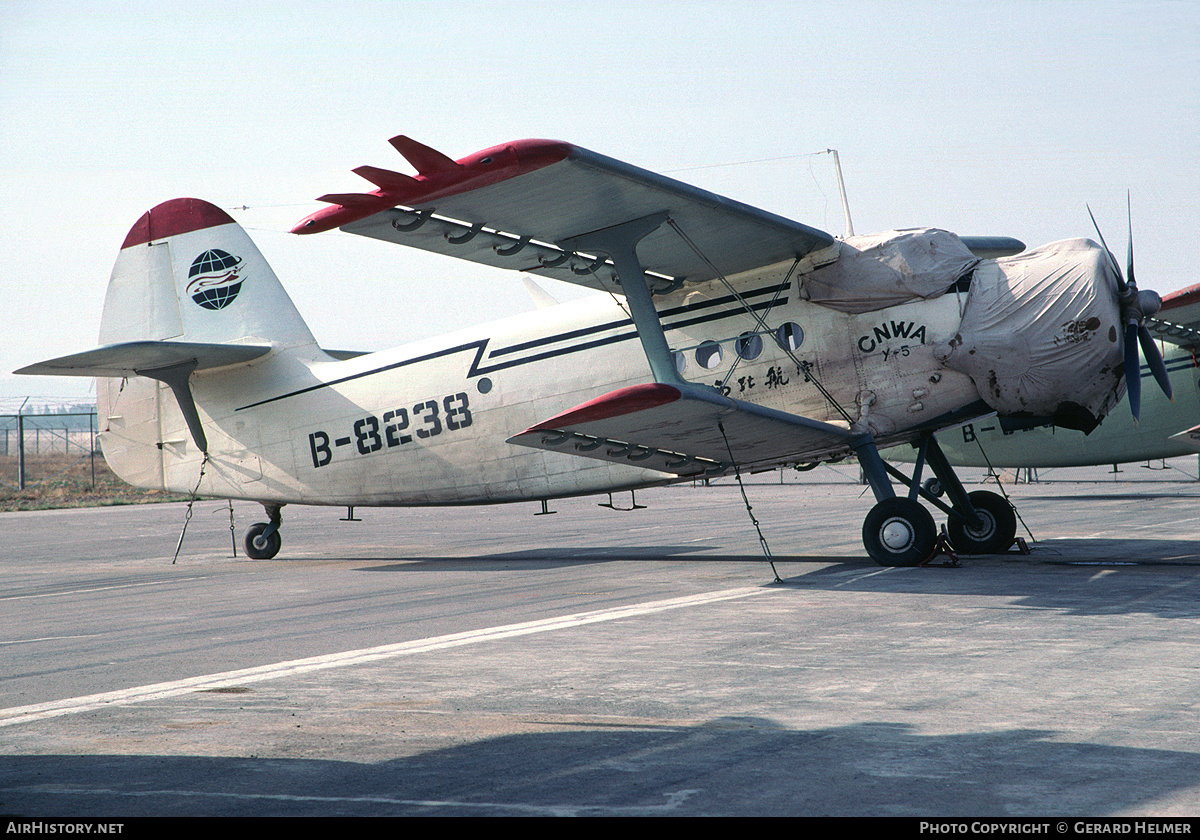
{"x": 899, "y": 532}
{"x": 262, "y": 546}
{"x": 996, "y": 530}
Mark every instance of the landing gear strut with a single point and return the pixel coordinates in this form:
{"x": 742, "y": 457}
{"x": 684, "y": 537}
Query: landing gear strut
{"x": 262, "y": 538}
{"x": 900, "y": 532}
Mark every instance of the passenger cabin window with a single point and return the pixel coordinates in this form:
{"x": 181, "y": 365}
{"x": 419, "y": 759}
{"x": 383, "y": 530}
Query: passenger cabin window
{"x": 749, "y": 346}
{"x": 708, "y": 355}
{"x": 790, "y": 336}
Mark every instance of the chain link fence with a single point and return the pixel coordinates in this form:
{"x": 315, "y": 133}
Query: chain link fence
{"x": 35, "y": 448}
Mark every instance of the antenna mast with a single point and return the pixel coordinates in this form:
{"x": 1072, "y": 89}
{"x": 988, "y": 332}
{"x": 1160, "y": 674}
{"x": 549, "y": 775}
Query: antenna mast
{"x": 837, "y": 164}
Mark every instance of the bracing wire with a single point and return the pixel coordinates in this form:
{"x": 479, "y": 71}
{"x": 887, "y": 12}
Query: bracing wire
{"x": 191, "y": 501}
{"x": 737, "y": 473}
{"x": 805, "y": 369}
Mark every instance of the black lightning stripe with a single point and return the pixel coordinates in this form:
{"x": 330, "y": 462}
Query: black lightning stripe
{"x": 479, "y": 367}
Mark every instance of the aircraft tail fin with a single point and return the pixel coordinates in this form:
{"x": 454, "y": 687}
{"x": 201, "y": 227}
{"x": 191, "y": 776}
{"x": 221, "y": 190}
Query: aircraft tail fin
{"x": 191, "y": 305}
{"x": 190, "y": 291}
{"x": 189, "y": 272}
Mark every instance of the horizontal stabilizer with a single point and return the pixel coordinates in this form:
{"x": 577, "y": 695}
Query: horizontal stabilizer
{"x": 133, "y": 357}
{"x": 686, "y": 430}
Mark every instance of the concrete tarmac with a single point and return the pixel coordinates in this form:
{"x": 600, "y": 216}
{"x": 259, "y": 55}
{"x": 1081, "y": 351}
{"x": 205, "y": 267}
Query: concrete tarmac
{"x": 486, "y": 661}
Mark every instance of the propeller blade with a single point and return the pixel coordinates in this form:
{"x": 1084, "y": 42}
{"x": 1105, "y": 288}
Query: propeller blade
{"x": 1111, "y": 259}
{"x": 1155, "y": 360}
{"x": 1129, "y": 259}
{"x": 1133, "y": 370}
{"x": 1136, "y": 307}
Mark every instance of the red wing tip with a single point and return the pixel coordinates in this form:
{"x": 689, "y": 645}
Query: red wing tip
{"x": 324, "y": 219}
{"x": 171, "y": 218}
{"x": 1183, "y": 297}
{"x": 530, "y": 154}
{"x": 352, "y": 199}
{"x": 439, "y": 177}
{"x": 615, "y": 404}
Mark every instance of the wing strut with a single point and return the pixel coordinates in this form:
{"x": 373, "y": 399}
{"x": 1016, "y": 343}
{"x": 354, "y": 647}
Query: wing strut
{"x": 620, "y": 243}
{"x": 176, "y": 377}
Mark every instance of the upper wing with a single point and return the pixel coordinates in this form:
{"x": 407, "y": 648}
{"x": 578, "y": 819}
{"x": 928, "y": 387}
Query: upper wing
{"x": 508, "y": 206}
{"x": 1178, "y": 321}
{"x": 682, "y": 429}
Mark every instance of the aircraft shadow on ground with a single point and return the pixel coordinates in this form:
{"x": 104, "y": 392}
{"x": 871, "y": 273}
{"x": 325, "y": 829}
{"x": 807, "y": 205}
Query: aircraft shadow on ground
{"x": 1160, "y": 577}
{"x": 1156, "y": 577}
{"x": 1143, "y": 552}
{"x": 559, "y": 557}
{"x": 729, "y": 766}
{"x": 1139, "y": 552}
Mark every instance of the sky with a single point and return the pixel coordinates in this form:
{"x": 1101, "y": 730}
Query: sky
{"x": 981, "y": 118}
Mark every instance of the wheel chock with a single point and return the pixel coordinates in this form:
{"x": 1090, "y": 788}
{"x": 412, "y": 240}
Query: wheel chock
{"x": 942, "y": 546}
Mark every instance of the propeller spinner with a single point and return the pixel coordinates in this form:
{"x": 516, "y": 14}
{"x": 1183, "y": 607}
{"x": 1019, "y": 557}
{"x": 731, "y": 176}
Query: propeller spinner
{"x": 1136, "y": 307}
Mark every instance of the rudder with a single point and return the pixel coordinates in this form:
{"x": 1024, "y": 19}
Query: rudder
{"x": 192, "y": 306}
{"x": 188, "y": 271}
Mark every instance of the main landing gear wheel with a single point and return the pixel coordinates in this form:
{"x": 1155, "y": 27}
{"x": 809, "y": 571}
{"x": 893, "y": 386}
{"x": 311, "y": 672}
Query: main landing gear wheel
{"x": 260, "y": 547}
{"x": 995, "y": 533}
{"x": 899, "y": 532}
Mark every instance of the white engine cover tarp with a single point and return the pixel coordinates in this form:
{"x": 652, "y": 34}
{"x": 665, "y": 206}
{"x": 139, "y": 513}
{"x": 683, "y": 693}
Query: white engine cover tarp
{"x": 887, "y": 269}
{"x": 1037, "y": 322}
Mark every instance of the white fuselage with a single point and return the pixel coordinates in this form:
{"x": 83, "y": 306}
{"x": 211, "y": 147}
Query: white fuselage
{"x": 427, "y": 423}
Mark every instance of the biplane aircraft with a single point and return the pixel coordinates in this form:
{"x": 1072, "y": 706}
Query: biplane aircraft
{"x": 730, "y": 338}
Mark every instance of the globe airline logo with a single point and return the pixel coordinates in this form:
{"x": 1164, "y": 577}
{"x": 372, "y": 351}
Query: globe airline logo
{"x": 215, "y": 279}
